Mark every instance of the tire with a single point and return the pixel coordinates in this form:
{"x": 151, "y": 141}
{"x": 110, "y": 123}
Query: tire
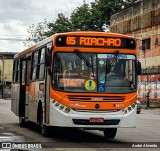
{"x": 110, "y": 132}
{"x": 22, "y": 122}
{"x": 44, "y": 130}
{"x": 138, "y": 112}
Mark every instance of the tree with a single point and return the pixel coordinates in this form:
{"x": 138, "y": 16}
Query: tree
{"x": 45, "y": 29}
{"x": 97, "y": 17}
{"x": 80, "y": 18}
{"x": 62, "y": 24}
{"x": 94, "y": 17}
{"x": 101, "y": 11}
{"x": 36, "y": 33}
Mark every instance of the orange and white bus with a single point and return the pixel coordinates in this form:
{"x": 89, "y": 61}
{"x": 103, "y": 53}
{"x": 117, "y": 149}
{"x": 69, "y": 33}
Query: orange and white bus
{"x": 77, "y": 79}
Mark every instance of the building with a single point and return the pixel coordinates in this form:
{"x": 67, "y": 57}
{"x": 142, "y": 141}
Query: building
{"x": 6, "y": 66}
{"x": 142, "y": 21}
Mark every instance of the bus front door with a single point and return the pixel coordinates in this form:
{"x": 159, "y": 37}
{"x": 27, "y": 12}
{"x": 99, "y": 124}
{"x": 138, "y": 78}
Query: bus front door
{"x": 23, "y": 91}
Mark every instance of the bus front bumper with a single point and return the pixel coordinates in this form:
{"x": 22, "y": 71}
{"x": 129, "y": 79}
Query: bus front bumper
{"x": 81, "y": 119}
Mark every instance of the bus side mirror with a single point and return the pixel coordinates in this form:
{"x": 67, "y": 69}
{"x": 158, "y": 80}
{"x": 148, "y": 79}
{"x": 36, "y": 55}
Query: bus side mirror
{"x": 138, "y": 67}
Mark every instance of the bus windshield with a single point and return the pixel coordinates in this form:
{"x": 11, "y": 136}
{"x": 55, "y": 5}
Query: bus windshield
{"x": 94, "y": 72}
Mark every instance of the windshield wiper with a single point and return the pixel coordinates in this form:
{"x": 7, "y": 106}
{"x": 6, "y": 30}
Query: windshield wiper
{"x": 82, "y": 57}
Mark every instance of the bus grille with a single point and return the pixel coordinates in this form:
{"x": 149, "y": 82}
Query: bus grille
{"x": 97, "y": 98}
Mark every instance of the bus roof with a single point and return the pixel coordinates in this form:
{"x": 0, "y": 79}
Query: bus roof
{"x": 93, "y": 33}
{"x": 30, "y": 49}
{"x": 85, "y": 33}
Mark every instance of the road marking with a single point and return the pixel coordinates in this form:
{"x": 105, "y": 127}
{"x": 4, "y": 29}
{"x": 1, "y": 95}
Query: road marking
{"x": 5, "y": 137}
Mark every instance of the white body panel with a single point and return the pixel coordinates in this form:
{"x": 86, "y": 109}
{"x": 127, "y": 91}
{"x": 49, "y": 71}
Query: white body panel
{"x": 59, "y": 118}
{"x": 15, "y": 99}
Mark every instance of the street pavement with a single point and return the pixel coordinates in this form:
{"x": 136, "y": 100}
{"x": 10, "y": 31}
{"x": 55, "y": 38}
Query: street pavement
{"x": 146, "y": 135}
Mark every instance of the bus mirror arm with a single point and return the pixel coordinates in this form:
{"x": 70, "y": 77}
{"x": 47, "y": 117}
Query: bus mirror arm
{"x": 48, "y": 54}
{"x": 48, "y": 61}
{"x": 48, "y": 58}
{"x": 138, "y": 67}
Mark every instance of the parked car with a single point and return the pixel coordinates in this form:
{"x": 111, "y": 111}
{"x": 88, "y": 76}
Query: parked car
{"x": 138, "y": 107}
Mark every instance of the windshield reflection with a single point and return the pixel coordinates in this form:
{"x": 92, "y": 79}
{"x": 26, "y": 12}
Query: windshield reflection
{"x": 92, "y": 72}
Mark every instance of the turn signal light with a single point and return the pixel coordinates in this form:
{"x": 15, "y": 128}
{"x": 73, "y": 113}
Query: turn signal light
{"x": 129, "y": 108}
{"x": 61, "y": 107}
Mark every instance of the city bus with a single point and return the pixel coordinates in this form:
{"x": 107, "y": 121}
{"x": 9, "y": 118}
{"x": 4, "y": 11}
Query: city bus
{"x": 85, "y": 80}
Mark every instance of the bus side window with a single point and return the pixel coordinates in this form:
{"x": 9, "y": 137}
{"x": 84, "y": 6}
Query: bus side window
{"x": 18, "y": 72}
{"x": 14, "y": 71}
{"x": 34, "y": 66}
{"x": 41, "y": 64}
{"x": 28, "y": 71}
{"x": 23, "y": 72}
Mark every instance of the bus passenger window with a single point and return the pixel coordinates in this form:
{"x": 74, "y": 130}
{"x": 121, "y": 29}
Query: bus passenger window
{"x": 18, "y": 72}
{"x": 14, "y": 71}
{"x": 34, "y": 66}
{"x": 42, "y": 64}
{"x": 28, "y": 71}
{"x": 23, "y": 72}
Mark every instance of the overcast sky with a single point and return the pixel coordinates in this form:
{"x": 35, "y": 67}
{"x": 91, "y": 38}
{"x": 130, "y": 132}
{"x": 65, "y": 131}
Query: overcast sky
{"x": 17, "y": 15}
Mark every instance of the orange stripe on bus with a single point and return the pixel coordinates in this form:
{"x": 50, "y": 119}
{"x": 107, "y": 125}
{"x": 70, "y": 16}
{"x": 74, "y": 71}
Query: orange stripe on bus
{"x": 27, "y": 88}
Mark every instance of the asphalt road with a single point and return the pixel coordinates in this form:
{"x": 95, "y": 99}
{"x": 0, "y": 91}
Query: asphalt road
{"x": 145, "y": 135}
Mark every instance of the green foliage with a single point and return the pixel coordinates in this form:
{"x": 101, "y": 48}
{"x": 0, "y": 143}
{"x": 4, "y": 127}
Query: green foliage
{"x": 93, "y": 17}
{"x": 62, "y": 24}
{"x": 80, "y": 18}
{"x": 101, "y": 12}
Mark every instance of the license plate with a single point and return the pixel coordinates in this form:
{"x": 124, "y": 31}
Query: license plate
{"x": 96, "y": 120}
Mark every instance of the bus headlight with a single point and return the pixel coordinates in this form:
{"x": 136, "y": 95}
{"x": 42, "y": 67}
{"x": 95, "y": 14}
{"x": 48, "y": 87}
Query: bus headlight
{"x": 129, "y": 108}
{"x": 56, "y": 104}
{"x": 67, "y": 110}
{"x": 61, "y": 107}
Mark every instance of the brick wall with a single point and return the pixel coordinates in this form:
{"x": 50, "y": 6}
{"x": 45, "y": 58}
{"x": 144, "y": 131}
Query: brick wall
{"x": 142, "y": 21}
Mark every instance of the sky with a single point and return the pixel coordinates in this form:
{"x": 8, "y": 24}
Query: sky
{"x": 17, "y": 15}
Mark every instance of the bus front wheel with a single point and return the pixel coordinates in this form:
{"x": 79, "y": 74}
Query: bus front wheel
{"x": 110, "y": 132}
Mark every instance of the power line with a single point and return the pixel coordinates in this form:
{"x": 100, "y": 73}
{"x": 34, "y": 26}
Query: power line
{"x": 12, "y": 35}
{"x": 13, "y": 39}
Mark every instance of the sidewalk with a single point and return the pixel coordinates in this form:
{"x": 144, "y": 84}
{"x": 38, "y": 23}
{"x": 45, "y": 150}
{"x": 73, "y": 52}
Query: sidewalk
{"x": 153, "y": 103}
{"x": 152, "y": 111}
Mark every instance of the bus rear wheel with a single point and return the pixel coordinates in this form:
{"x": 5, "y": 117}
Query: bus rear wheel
{"x": 110, "y": 132}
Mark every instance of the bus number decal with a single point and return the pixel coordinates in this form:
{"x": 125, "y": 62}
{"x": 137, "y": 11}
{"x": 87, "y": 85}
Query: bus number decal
{"x": 71, "y": 40}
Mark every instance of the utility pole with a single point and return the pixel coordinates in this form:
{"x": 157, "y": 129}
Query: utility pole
{"x": 2, "y": 74}
{"x": 3, "y": 77}
{"x": 147, "y": 98}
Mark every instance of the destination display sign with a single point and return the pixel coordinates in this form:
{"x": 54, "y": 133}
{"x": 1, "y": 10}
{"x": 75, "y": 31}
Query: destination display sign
{"x": 95, "y": 41}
